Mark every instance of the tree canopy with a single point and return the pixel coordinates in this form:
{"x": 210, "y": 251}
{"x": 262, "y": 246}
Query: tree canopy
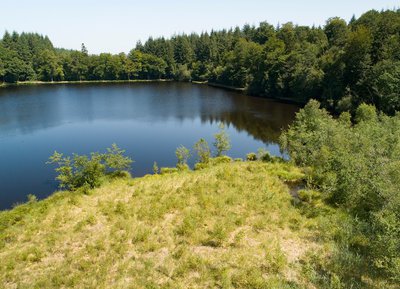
{"x": 356, "y": 164}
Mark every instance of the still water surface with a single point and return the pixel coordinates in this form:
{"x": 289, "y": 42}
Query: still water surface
{"x": 149, "y": 120}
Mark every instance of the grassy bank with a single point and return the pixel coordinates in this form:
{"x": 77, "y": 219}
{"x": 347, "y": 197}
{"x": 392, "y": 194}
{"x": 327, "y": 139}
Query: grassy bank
{"x": 234, "y": 225}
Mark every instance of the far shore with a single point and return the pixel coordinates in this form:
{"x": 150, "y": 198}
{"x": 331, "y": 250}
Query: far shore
{"x": 213, "y": 84}
{"x": 22, "y": 83}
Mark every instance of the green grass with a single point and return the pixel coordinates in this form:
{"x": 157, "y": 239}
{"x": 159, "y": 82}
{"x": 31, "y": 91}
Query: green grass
{"x": 231, "y": 225}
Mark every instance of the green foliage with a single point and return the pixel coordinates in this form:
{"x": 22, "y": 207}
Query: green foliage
{"x": 251, "y": 157}
{"x": 146, "y": 66}
{"x": 309, "y": 196}
{"x": 214, "y": 161}
{"x": 200, "y": 166}
{"x": 357, "y": 167}
{"x": 366, "y": 113}
{"x": 32, "y": 198}
{"x": 182, "y": 154}
{"x": 48, "y": 66}
{"x": 155, "y": 168}
{"x": 165, "y": 171}
{"x": 264, "y": 155}
{"x": 203, "y": 151}
{"x": 88, "y": 171}
{"x": 115, "y": 160}
{"x": 220, "y": 160}
{"x": 222, "y": 142}
{"x": 81, "y": 171}
{"x": 183, "y": 73}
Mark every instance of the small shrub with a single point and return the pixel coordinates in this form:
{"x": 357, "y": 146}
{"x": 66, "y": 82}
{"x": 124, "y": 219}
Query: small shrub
{"x": 264, "y": 155}
{"x": 32, "y": 198}
{"x": 251, "y": 157}
{"x": 308, "y": 196}
{"x": 85, "y": 189}
{"x": 201, "y": 166}
{"x": 155, "y": 168}
{"x": 203, "y": 151}
{"x": 182, "y": 167}
{"x": 89, "y": 171}
{"x": 222, "y": 142}
{"x": 221, "y": 160}
{"x": 276, "y": 159}
{"x": 165, "y": 171}
{"x": 238, "y": 160}
{"x": 115, "y": 160}
{"x": 213, "y": 162}
{"x": 182, "y": 154}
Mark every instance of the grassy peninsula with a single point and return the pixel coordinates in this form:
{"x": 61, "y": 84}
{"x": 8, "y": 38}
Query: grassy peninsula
{"x": 232, "y": 225}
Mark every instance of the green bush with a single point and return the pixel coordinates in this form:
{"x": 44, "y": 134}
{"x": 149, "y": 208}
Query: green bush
{"x": 221, "y": 160}
{"x": 264, "y": 155}
{"x": 203, "y": 151}
{"x": 251, "y": 157}
{"x": 308, "y": 195}
{"x": 222, "y": 142}
{"x": 89, "y": 171}
{"x": 32, "y": 198}
{"x": 155, "y": 168}
{"x": 357, "y": 167}
{"x": 182, "y": 154}
{"x": 165, "y": 171}
{"x": 115, "y": 160}
{"x": 201, "y": 166}
{"x": 183, "y": 167}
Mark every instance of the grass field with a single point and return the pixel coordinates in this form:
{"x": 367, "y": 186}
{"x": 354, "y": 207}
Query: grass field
{"x": 234, "y": 225}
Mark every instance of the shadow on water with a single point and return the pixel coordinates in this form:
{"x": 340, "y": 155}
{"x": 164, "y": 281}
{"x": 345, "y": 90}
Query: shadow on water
{"x": 149, "y": 120}
{"x": 24, "y": 110}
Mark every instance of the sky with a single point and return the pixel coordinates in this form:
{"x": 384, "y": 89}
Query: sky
{"x": 115, "y": 26}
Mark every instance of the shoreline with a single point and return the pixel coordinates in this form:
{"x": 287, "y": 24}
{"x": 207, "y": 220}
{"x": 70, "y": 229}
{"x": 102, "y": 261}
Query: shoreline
{"x": 212, "y": 84}
{"x": 27, "y": 83}
{"x": 228, "y": 87}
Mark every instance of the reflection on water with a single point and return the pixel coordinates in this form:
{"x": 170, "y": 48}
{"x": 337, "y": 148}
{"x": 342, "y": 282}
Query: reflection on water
{"x": 149, "y": 120}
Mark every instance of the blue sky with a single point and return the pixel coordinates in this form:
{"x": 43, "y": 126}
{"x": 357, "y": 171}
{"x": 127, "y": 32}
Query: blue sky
{"x": 115, "y": 26}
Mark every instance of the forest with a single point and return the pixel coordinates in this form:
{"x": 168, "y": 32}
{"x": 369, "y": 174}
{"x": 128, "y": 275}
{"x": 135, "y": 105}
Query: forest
{"x": 340, "y": 64}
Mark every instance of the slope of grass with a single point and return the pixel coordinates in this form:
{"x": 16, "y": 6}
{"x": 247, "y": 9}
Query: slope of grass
{"x": 229, "y": 226}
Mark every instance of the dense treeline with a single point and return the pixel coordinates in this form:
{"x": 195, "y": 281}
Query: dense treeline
{"x": 341, "y": 64}
{"x": 356, "y": 164}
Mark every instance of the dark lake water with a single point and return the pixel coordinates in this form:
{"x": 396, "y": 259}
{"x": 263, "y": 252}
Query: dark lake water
{"x": 149, "y": 120}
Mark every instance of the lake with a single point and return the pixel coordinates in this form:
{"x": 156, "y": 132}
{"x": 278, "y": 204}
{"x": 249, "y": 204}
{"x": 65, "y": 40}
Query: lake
{"x": 148, "y": 120}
